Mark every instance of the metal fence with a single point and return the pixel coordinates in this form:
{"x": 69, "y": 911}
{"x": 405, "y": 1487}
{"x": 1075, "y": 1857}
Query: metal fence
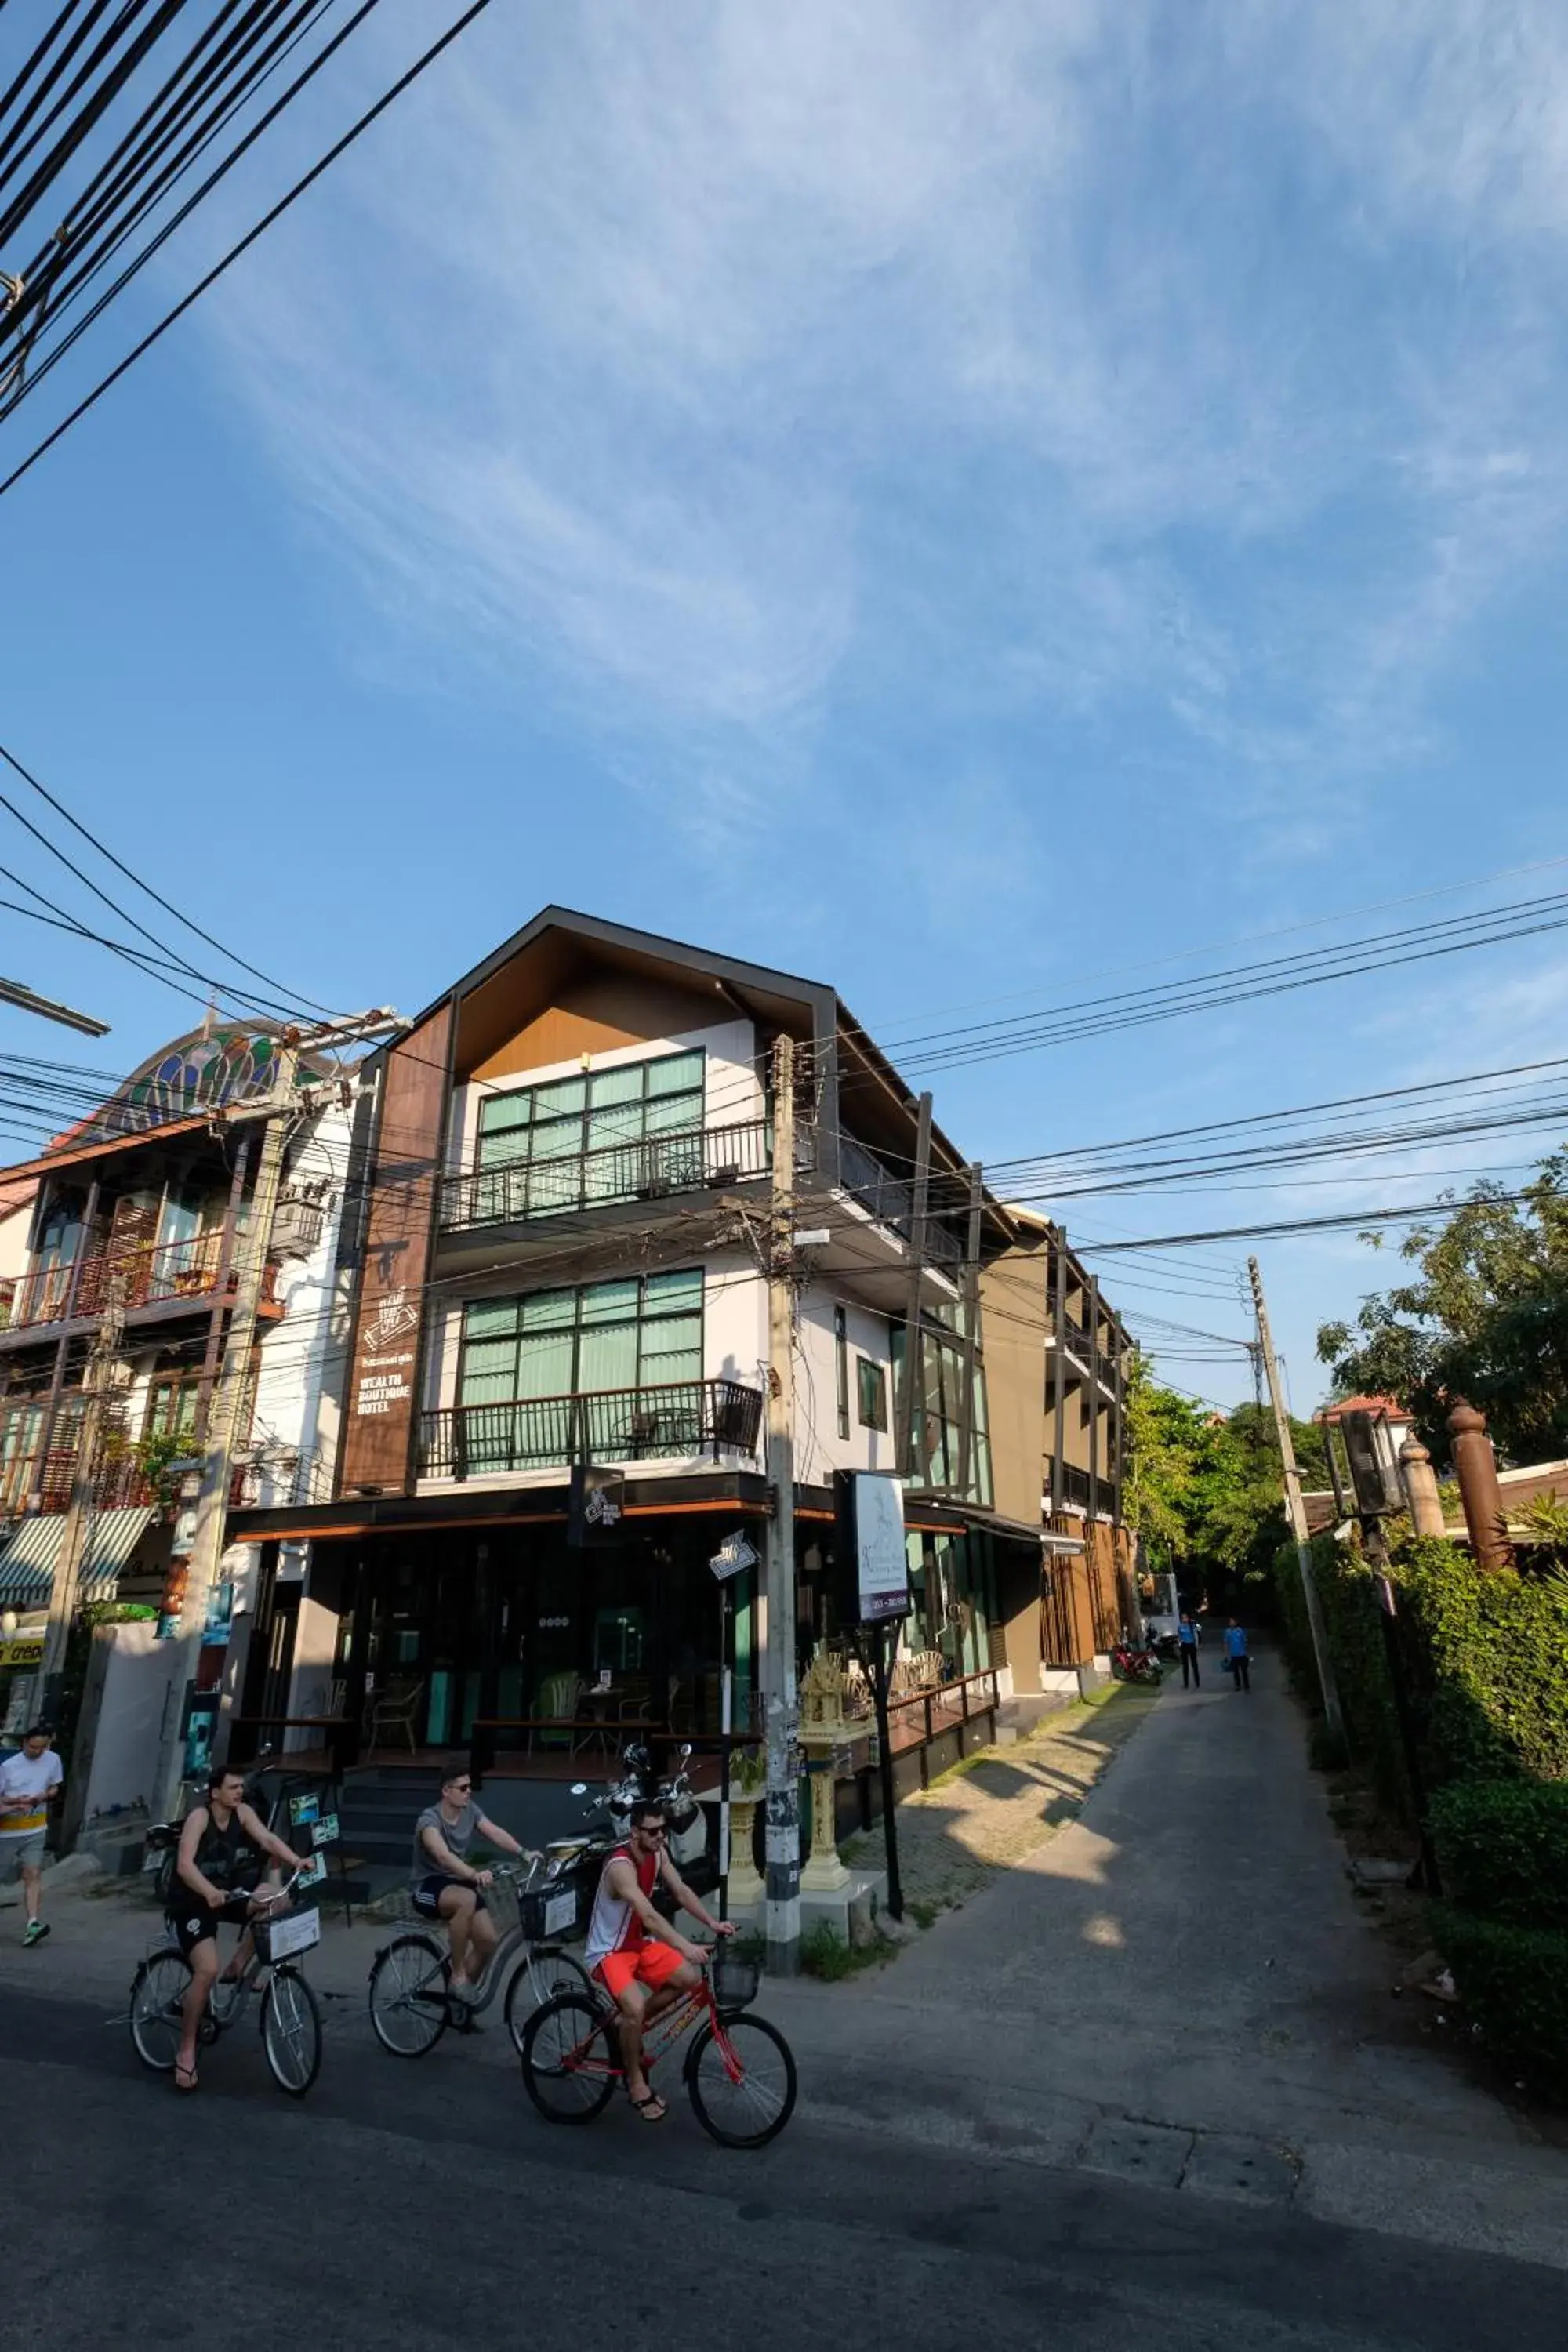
{"x": 675, "y": 1419}
{"x": 649, "y": 1169}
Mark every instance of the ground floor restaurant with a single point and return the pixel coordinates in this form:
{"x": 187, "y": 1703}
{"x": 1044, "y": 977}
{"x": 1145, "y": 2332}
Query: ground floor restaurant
{"x": 410, "y": 1637}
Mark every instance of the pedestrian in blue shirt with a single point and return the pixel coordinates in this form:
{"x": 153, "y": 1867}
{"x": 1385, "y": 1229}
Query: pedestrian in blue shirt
{"x": 1187, "y": 1643}
{"x": 1236, "y": 1657}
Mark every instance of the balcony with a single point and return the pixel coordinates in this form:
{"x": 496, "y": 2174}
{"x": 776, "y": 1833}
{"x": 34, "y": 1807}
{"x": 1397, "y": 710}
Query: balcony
{"x": 692, "y": 1161}
{"x": 147, "y": 1277}
{"x": 892, "y": 1200}
{"x": 120, "y": 1485}
{"x": 677, "y": 1419}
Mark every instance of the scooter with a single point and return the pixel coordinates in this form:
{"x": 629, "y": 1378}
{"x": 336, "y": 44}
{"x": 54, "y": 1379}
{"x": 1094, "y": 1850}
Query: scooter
{"x": 1134, "y": 1665}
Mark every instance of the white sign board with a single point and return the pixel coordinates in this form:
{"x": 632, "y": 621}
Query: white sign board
{"x": 287, "y": 1938}
{"x": 560, "y": 1912}
{"x": 881, "y": 1561}
{"x": 734, "y": 1555}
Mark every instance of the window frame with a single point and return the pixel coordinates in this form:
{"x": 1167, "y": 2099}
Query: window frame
{"x": 512, "y": 1114}
{"x": 841, "y": 1368}
{"x": 578, "y": 1326}
{"x": 864, "y": 1365}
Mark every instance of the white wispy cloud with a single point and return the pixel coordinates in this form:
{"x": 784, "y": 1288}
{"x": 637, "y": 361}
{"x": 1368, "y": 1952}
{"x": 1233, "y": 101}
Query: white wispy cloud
{"x": 689, "y": 364}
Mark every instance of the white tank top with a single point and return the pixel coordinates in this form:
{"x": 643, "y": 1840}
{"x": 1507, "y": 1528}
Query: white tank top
{"x": 615, "y": 1926}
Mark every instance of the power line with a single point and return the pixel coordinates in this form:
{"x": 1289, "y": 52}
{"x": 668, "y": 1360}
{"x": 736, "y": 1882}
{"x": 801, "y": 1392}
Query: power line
{"x": 210, "y": 278}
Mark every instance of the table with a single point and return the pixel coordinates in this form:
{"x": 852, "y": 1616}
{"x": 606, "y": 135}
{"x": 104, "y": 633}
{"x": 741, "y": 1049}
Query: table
{"x": 597, "y": 1700}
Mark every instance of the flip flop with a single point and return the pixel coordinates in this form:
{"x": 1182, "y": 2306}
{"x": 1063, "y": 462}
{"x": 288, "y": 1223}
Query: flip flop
{"x": 646, "y": 2105}
{"x": 189, "y": 2073}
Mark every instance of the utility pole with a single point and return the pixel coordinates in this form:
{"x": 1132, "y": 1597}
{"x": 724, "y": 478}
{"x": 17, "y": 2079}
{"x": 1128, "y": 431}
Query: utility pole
{"x": 212, "y": 1502}
{"x": 910, "y": 1451}
{"x": 1297, "y": 1513}
{"x": 782, "y": 1807}
{"x": 81, "y": 1516}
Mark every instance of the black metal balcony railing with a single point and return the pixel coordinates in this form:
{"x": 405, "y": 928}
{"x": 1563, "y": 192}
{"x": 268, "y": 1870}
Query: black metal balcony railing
{"x": 119, "y": 1486}
{"x": 891, "y": 1200}
{"x": 1074, "y": 1485}
{"x": 676, "y": 1419}
{"x": 657, "y": 1165}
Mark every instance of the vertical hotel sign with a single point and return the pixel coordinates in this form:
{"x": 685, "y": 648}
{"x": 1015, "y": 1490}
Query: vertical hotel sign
{"x": 384, "y": 1386}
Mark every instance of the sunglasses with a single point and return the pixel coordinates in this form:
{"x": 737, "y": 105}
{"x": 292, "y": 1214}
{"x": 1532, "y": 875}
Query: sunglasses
{"x": 462, "y": 1787}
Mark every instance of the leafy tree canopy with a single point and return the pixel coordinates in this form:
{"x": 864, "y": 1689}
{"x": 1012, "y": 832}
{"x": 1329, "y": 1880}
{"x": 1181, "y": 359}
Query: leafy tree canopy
{"x": 1205, "y": 1490}
{"x": 1483, "y": 1316}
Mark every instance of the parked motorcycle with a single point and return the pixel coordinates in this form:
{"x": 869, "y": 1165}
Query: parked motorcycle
{"x": 1129, "y": 1665}
{"x": 612, "y": 1812}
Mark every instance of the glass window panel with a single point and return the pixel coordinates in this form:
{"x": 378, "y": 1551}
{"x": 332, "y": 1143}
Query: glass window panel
{"x": 554, "y": 1186}
{"x": 616, "y": 1123}
{"x": 675, "y": 1294}
{"x": 489, "y": 1371}
{"x": 499, "y": 1112}
{"x": 675, "y": 1074}
{"x": 488, "y": 1318}
{"x": 547, "y": 1311}
{"x": 544, "y": 1364}
{"x": 672, "y": 1349}
{"x": 674, "y": 1114}
{"x": 557, "y": 1138}
{"x": 607, "y": 1088}
{"x": 504, "y": 1150}
{"x": 562, "y": 1094}
{"x": 607, "y": 1357}
{"x": 610, "y": 1302}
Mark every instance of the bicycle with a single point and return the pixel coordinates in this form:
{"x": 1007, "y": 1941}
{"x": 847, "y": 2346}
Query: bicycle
{"x": 740, "y": 2072}
{"x": 411, "y": 1999}
{"x": 290, "y": 2020}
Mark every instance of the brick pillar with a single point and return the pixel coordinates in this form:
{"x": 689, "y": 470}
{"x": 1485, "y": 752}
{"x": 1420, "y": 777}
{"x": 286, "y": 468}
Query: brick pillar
{"x": 1476, "y": 1467}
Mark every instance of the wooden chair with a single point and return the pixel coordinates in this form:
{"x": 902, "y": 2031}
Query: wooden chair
{"x": 392, "y": 1709}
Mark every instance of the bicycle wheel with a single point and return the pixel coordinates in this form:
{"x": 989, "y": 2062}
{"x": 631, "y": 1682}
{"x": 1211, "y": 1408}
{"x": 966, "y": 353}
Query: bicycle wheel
{"x": 570, "y": 2064}
{"x": 409, "y": 1986}
{"x": 291, "y": 2032}
{"x": 741, "y": 2080}
{"x": 538, "y": 1980}
{"x": 157, "y": 1992}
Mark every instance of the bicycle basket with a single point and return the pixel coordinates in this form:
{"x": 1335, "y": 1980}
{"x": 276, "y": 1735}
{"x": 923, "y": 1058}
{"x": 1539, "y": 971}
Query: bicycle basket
{"x": 556, "y": 1911}
{"x": 287, "y": 1935}
{"x": 734, "y": 1980}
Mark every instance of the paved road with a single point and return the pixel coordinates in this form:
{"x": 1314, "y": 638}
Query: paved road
{"x": 413, "y": 2206}
{"x": 1150, "y": 2079}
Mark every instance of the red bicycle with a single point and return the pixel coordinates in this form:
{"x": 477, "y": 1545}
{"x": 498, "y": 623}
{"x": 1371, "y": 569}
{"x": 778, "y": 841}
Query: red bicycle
{"x": 740, "y": 2073}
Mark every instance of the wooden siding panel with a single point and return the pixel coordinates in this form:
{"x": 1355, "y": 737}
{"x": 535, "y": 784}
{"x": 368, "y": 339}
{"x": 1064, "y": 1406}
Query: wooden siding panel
{"x": 389, "y": 1327}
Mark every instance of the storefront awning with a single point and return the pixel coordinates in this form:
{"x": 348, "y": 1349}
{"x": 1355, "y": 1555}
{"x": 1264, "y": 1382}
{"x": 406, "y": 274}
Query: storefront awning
{"x": 28, "y": 1561}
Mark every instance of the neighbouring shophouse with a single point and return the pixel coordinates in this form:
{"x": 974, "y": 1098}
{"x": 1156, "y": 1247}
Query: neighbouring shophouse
{"x": 118, "y": 1257}
{"x": 1056, "y": 1361}
{"x": 560, "y": 1259}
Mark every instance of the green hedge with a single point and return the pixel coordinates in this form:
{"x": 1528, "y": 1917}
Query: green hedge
{"x": 1485, "y": 1653}
{"x": 1502, "y": 1850}
{"x": 1511, "y": 1980}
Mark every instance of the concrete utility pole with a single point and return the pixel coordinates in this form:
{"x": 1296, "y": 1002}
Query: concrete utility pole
{"x": 781, "y": 1809}
{"x": 81, "y": 1516}
{"x": 1296, "y": 1512}
{"x": 212, "y": 1502}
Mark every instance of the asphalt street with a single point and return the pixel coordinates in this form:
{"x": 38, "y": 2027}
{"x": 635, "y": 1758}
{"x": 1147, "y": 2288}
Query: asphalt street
{"x": 416, "y": 2204}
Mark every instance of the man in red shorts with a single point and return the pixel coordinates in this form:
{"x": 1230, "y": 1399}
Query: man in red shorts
{"x": 638, "y": 1956}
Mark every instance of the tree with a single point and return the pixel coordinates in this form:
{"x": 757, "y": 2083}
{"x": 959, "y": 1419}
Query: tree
{"x": 1485, "y": 1316}
{"x": 1205, "y": 1490}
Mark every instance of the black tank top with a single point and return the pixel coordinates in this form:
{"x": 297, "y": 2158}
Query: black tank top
{"x": 228, "y": 1857}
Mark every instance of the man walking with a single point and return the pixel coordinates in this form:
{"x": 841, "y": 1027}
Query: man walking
{"x": 27, "y": 1781}
{"x": 1236, "y": 1657}
{"x": 1187, "y": 1643}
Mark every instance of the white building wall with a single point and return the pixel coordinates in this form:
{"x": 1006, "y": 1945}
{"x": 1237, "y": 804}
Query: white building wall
{"x": 820, "y": 1449}
{"x": 16, "y": 1234}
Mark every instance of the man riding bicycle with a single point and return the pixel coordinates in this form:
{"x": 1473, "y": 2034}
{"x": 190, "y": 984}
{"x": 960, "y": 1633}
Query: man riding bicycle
{"x": 444, "y": 1884}
{"x": 638, "y": 1958}
{"x": 224, "y": 1848}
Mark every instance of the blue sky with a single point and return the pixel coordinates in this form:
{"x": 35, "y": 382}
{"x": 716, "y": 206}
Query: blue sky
{"x": 958, "y": 501}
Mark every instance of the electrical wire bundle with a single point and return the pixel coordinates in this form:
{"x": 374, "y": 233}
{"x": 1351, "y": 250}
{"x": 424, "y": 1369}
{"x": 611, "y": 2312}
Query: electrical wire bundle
{"x": 94, "y": 148}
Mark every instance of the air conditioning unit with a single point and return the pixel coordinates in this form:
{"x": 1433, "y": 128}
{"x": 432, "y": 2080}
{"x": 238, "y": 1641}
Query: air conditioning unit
{"x": 299, "y": 1220}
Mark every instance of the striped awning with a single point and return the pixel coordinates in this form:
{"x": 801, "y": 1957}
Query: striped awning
{"x": 27, "y": 1560}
